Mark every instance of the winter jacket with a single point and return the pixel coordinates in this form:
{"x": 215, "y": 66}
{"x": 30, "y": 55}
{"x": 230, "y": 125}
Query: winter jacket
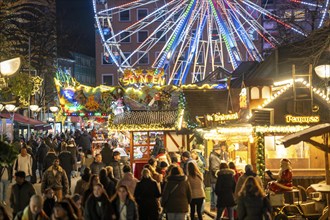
{"x": 197, "y": 187}
{"x": 241, "y": 181}
{"x": 56, "y": 182}
{"x": 81, "y": 187}
{"x": 117, "y": 169}
{"x": 74, "y": 152}
{"x": 96, "y": 167}
{"x": 214, "y": 166}
{"x": 26, "y": 214}
{"x": 42, "y": 152}
{"x": 98, "y": 208}
{"x": 107, "y": 155}
{"x": 177, "y": 195}
{"x": 252, "y": 207}
{"x": 129, "y": 181}
{"x": 85, "y": 141}
{"x": 66, "y": 161}
{"x": 20, "y": 196}
{"x": 225, "y": 187}
{"x": 131, "y": 209}
{"x": 146, "y": 193}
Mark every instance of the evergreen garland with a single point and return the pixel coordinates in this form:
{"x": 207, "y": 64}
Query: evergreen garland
{"x": 260, "y": 155}
{"x": 182, "y": 105}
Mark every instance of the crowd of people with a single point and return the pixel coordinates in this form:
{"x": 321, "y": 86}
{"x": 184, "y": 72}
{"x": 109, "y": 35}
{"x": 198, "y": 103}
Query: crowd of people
{"x": 171, "y": 185}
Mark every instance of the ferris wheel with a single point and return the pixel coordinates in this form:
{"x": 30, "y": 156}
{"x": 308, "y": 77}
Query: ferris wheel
{"x": 194, "y": 37}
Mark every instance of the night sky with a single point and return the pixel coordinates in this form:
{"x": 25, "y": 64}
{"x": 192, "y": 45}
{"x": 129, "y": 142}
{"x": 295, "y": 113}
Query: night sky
{"x": 75, "y": 25}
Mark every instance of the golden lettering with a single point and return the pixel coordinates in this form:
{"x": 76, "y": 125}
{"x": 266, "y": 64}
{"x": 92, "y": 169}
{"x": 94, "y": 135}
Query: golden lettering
{"x": 302, "y": 119}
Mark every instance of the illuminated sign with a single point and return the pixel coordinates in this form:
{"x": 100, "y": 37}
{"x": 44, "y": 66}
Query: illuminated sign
{"x": 302, "y": 119}
{"x": 243, "y": 99}
{"x": 138, "y": 76}
{"x": 222, "y": 117}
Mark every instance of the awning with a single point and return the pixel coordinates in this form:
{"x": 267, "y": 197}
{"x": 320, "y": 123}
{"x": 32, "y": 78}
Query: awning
{"x": 306, "y": 135}
{"x": 21, "y": 119}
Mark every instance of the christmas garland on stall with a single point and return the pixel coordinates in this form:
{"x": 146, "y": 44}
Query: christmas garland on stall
{"x": 260, "y": 154}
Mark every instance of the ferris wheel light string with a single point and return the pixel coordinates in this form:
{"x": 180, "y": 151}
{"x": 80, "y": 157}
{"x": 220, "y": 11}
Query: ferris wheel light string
{"x": 249, "y": 46}
{"x": 271, "y": 16}
{"x": 174, "y": 35}
{"x": 253, "y": 26}
{"x": 325, "y": 9}
{"x": 128, "y": 29}
{"x": 224, "y": 34}
{"x": 305, "y": 3}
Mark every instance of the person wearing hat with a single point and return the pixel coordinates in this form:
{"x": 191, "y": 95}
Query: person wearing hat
{"x": 21, "y": 193}
{"x": 241, "y": 179}
{"x": 185, "y": 159}
{"x": 214, "y": 167}
{"x": 283, "y": 178}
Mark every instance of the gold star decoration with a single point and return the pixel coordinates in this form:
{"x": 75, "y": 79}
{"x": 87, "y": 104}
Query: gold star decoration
{"x": 37, "y": 83}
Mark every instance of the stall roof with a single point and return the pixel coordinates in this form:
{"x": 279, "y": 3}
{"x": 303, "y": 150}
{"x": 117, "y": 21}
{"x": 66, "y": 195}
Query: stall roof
{"x": 306, "y": 135}
{"x": 25, "y": 120}
{"x": 144, "y": 119}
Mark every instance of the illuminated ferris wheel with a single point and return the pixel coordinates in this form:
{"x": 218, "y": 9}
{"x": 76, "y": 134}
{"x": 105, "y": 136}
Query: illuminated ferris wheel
{"x": 194, "y": 37}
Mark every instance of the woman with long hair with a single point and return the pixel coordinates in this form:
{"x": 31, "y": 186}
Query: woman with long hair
{"x": 124, "y": 204}
{"x": 195, "y": 179}
{"x": 252, "y": 201}
{"x": 224, "y": 189}
{"x": 98, "y": 206}
{"x": 177, "y": 195}
{"x": 93, "y": 180}
{"x": 146, "y": 193}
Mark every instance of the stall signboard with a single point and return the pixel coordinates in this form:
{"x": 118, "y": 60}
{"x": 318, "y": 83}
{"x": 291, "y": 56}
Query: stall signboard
{"x": 302, "y": 119}
{"x": 143, "y": 77}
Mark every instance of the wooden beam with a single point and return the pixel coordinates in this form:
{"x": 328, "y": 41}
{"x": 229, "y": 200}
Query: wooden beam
{"x": 176, "y": 144}
{"x": 191, "y": 138}
{"x": 318, "y": 145}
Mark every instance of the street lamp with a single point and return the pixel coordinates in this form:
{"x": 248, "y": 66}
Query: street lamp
{"x": 10, "y": 67}
{"x": 54, "y": 109}
{"x": 11, "y": 109}
{"x": 34, "y": 109}
{"x": 323, "y": 71}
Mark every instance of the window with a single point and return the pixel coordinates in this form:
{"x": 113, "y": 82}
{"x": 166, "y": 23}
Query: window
{"x": 142, "y": 13}
{"x": 142, "y": 36}
{"x": 299, "y": 15}
{"x": 265, "y": 93}
{"x": 215, "y": 35}
{"x": 159, "y": 34}
{"x": 126, "y": 54}
{"x": 125, "y": 38}
{"x": 143, "y": 58}
{"x": 107, "y": 79}
{"x": 255, "y": 93}
{"x": 125, "y": 15}
{"x": 106, "y": 59}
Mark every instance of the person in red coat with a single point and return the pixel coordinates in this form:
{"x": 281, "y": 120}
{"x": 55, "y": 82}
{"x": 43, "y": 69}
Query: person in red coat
{"x": 283, "y": 178}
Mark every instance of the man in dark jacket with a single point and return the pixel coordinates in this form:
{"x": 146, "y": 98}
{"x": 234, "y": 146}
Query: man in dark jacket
{"x": 117, "y": 165}
{"x": 66, "y": 162}
{"x": 107, "y": 154}
{"x": 21, "y": 193}
{"x": 85, "y": 141}
{"x": 41, "y": 155}
{"x": 97, "y": 165}
{"x": 214, "y": 167}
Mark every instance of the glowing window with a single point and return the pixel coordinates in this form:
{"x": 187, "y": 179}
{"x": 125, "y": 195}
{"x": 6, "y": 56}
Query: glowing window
{"x": 255, "y": 93}
{"x": 265, "y": 92}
